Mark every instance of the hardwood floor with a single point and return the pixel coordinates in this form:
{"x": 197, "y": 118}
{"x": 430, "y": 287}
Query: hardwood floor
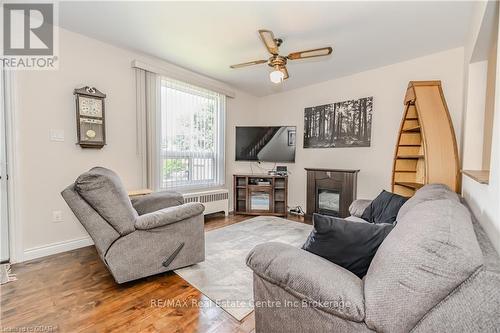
{"x": 74, "y": 292}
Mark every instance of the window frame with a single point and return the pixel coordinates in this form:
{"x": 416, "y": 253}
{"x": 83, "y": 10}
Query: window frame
{"x": 217, "y": 156}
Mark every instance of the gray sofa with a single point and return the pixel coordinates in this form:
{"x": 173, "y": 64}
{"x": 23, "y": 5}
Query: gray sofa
{"x": 149, "y": 235}
{"x": 435, "y": 272}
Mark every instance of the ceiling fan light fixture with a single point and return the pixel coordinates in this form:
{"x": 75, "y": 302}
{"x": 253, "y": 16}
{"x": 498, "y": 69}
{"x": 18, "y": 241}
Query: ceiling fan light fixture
{"x": 276, "y": 76}
{"x": 279, "y": 62}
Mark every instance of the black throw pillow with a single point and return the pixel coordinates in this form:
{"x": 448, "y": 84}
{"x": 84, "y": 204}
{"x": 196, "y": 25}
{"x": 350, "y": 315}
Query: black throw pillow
{"x": 384, "y": 208}
{"x": 349, "y": 244}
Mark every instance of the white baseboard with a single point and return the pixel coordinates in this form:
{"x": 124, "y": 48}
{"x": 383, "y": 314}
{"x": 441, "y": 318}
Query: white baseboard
{"x": 54, "y": 248}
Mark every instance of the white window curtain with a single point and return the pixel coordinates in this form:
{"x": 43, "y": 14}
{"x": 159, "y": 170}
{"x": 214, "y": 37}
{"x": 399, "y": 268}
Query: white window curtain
{"x": 192, "y": 137}
{"x": 180, "y": 134}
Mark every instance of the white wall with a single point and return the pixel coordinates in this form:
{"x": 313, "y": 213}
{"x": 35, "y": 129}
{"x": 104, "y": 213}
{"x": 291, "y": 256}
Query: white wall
{"x": 388, "y": 86}
{"x": 472, "y": 157}
{"x": 45, "y": 101}
{"x": 484, "y": 200}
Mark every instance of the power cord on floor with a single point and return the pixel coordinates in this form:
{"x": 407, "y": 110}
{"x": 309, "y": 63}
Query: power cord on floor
{"x": 297, "y": 211}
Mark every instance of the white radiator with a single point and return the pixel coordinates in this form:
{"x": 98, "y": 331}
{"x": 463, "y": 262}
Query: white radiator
{"x": 214, "y": 200}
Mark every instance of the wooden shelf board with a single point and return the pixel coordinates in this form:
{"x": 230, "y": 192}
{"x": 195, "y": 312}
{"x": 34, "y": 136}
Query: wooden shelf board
{"x": 135, "y": 193}
{"x": 407, "y": 171}
{"x": 259, "y": 175}
{"x": 412, "y": 129}
{"x": 413, "y": 186}
{"x": 410, "y": 145}
{"x": 410, "y": 156}
{"x": 411, "y": 118}
{"x": 480, "y": 176}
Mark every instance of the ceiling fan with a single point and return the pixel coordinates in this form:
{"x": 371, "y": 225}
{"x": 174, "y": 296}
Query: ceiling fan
{"x": 278, "y": 62}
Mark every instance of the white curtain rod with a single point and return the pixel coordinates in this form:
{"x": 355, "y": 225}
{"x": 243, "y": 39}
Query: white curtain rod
{"x": 184, "y": 75}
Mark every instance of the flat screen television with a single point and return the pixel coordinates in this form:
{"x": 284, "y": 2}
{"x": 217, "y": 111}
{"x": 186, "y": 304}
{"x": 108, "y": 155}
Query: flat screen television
{"x": 266, "y": 143}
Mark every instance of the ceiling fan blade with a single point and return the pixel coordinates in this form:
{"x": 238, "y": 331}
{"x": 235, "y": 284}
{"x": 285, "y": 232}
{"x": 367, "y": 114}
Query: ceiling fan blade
{"x": 324, "y": 51}
{"x": 267, "y": 37}
{"x": 285, "y": 72}
{"x": 250, "y": 63}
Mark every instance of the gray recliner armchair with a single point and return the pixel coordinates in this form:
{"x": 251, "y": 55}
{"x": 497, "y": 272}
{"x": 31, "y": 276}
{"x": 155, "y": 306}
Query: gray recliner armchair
{"x": 136, "y": 238}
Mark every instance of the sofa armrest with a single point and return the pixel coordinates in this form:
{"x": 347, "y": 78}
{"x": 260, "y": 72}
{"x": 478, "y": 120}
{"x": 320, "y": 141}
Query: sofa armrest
{"x": 153, "y": 202}
{"x": 310, "y": 278}
{"x": 358, "y": 207}
{"x": 168, "y": 215}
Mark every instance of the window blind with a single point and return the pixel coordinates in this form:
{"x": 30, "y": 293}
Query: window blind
{"x": 191, "y": 149}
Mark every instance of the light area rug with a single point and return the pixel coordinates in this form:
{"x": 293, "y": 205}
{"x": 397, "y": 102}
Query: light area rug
{"x": 223, "y": 276}
{"x": 6, "y": 274}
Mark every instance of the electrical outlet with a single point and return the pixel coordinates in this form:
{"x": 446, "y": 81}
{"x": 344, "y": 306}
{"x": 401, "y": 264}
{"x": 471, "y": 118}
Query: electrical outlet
{"x": 57, "y": 216}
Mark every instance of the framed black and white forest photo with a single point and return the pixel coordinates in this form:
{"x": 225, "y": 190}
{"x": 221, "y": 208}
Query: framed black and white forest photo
{"x": 337, "y": 125}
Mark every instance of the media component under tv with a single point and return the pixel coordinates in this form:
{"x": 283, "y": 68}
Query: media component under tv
{"x": 265, "y": 143}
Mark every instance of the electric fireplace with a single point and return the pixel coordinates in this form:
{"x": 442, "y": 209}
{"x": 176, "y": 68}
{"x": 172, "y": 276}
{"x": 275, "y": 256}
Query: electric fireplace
{"x": 330, "y": 191}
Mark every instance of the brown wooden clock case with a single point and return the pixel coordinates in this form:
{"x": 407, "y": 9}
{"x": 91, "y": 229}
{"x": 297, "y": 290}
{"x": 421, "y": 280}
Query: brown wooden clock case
{"x": 90, "y": 117}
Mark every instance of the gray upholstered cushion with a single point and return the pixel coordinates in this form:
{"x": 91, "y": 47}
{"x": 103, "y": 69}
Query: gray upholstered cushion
{"x": 168, "y": 215}
{"x": 310, "y": 278}
{"x": 358, "y": 207}
{"x": 294, "y": 317}
{"x": 430, "y": 252}
{"x": 355, "y": 219}
{"x": 102, "y": 233}
{"x": 103, "y": 190}
{"x": 143, "y": 252}
{"x": 144, "y": 204}
{"x": 472, "y": 307}
{"x": 427, "y": 193}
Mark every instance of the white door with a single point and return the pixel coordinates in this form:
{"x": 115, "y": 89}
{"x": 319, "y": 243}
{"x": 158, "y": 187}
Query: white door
{"x": 4, "y": 216}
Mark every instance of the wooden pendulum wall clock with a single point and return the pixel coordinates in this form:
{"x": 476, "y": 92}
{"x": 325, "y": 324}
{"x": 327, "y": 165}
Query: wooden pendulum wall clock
{"x": 90, "y": 121}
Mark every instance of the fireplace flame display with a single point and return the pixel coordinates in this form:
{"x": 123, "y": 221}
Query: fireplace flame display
{"x": 328, "y": 201}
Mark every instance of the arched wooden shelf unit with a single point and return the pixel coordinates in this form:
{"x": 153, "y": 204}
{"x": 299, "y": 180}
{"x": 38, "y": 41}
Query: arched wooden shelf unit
{"x": 426, "y": 151}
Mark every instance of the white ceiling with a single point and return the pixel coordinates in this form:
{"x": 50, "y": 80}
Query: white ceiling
{"x": 207, "y": 37}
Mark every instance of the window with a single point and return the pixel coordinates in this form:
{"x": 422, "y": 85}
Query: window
{"x": 191, "y": 137}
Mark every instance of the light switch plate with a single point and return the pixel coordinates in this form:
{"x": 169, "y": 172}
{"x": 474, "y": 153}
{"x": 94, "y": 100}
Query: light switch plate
{"x": 57, "y": 216}
{"x": 56, "y": 135}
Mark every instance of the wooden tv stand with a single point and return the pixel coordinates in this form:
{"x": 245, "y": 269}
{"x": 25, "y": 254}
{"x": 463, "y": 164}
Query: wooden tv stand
{"x": 253, "y": 197}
